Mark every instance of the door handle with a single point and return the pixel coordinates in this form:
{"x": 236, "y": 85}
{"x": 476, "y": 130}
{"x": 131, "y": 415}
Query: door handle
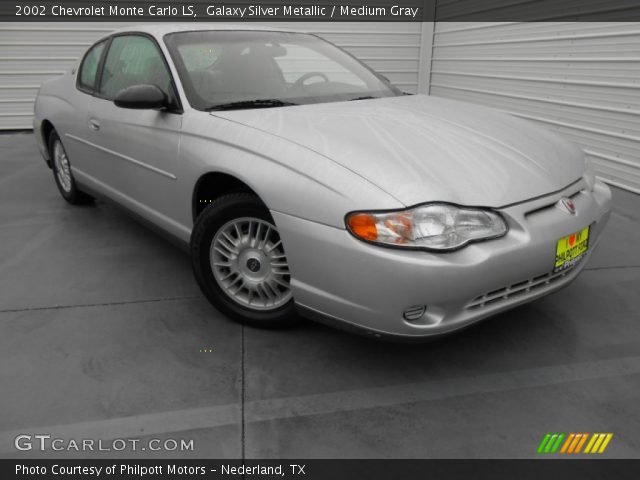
{"x": 94, "y": 125}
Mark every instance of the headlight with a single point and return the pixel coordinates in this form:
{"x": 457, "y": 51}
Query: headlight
{"x": 589, "y": 175}
{"x": 436, "y": 226}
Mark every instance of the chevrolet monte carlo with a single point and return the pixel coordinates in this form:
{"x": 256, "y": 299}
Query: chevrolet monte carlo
{"x": 305, "y": 183}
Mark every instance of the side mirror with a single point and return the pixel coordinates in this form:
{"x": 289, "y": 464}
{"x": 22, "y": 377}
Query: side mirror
{"x": 141, "y": 97}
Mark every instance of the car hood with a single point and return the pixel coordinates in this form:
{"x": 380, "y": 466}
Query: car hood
{"x": 419, "y": 148}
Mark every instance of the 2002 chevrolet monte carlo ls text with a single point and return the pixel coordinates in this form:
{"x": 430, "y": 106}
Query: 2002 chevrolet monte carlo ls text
{"x": 304, "y": 182}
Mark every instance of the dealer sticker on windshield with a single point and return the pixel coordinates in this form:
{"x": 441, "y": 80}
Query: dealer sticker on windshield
{"x": 570, "y": 249}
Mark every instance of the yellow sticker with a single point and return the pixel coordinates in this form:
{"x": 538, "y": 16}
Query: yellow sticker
{"x": 570, "y": 249}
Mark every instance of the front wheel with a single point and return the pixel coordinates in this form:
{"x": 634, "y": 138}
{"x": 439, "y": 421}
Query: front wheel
{"x": 239, "y": 262}
{"x": 62, "y": 172}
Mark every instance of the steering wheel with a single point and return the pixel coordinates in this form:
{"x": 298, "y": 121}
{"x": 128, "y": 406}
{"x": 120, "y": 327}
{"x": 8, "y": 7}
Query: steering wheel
{"x": 300, "y": 82}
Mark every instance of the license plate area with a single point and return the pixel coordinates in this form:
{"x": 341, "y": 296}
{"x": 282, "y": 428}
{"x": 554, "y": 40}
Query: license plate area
{"x": 570, "y": 249}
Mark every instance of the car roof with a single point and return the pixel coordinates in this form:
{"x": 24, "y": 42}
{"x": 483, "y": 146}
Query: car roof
{"x": 161, "y": 29}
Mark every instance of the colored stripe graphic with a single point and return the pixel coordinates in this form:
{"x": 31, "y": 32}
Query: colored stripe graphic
{"x": 543, "y": 443}
{"x": 605, "y": 443}
{"x": 555, "y": 447}
{"x": 598, "y": 442}
{"x": 594, "y": 437}
{"x": 550, "y": 443}
{"x": 568, "y": 442}
{"x": 581, "y": 442}
{"x": 596, "y": 445}
{"x": 573, "y": 443}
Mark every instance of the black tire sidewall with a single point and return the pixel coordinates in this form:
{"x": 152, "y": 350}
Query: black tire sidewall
{"x": 212, "y": 218}
{"x": 74, "y": 195}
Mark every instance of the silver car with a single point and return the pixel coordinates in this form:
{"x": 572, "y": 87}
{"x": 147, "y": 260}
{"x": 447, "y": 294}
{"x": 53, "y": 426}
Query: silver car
{"x": 305, "y": 183}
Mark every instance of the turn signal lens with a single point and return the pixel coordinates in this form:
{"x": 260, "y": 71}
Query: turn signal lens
{"x": 363, "y": 226}
{"x": 436, "y": 226}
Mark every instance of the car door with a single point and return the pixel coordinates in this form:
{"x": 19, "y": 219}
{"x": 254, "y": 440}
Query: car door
{"x": 136, "y": 151}
{"x": 73, "y": 127}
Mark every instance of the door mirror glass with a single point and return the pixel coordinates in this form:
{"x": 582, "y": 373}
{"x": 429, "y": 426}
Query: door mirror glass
{"x": 141, "y": 97}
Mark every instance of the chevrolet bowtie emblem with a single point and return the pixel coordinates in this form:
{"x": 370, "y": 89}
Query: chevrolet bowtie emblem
{"x": 567, "y": 205}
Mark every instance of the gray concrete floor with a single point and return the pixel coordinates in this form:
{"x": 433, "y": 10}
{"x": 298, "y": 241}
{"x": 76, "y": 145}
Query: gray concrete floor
{"x": 102, "y": 327}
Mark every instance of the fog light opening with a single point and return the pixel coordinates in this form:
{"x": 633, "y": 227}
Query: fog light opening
{"x": 414, "y": 313}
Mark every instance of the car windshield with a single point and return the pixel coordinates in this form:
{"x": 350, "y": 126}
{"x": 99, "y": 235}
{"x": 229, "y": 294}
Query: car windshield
{"x": 225, "y": 70}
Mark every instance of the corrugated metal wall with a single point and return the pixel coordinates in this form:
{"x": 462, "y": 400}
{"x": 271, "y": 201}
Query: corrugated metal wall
{"x": 581, "y": 79}
{"x": 33, "y": 52}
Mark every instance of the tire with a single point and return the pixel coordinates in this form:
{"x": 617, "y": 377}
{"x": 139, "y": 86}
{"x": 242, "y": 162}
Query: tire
{"x": 62, "y": 172}
{"x": 239, "y": 262}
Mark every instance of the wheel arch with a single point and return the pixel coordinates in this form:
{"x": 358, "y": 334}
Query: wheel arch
{"x": 213, "y": 185}
{"x": 46, "y": 127}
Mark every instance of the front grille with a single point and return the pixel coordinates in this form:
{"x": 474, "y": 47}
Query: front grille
{"x": 572, "y": 195}
{"x": 517, "y": 289}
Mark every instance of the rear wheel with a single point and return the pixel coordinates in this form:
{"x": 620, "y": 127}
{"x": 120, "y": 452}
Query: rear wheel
{"x": 62, "y": 172}
{"x": 240, "y": 264}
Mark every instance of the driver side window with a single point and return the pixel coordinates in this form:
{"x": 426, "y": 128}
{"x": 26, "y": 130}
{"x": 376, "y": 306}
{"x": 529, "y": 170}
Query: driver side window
{"x": 133, "y": 60}
{"x": 300, "y": 59}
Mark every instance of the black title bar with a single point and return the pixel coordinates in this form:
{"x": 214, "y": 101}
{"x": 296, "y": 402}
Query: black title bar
{"x": 323, "y": 10}
{"x": 321, "y": 469}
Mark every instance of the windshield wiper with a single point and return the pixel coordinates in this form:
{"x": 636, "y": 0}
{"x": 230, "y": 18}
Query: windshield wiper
{"x": 258, "y": 103}
{"x": 365, "y": 97}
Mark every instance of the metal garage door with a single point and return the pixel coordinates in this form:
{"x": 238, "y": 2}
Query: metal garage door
{"x": 33, "y": 52}
{"x": 581, "y": 79}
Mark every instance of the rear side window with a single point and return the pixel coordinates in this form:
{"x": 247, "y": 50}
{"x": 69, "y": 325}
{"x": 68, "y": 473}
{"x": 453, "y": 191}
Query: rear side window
{"x": 89, "y": 68}
{"x": 133, "y": 60}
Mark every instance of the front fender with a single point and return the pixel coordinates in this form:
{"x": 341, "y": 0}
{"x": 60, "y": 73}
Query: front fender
{"x": 289, "y": 178}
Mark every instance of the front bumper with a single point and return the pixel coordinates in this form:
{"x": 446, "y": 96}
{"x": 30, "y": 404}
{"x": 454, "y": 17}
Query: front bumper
{"x": 341, "y": 280}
